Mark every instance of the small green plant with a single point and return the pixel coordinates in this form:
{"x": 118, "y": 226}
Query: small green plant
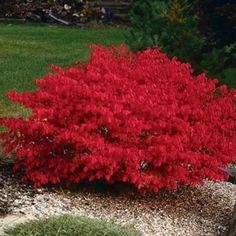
{"x": 69, "y": 226}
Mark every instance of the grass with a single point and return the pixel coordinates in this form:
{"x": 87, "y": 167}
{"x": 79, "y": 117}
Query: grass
{"x": 69, "y": 226}
{"x": 26, "y": 51}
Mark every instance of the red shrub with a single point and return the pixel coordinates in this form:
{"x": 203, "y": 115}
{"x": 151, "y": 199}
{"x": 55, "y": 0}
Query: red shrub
{"x": 121, "y": 117}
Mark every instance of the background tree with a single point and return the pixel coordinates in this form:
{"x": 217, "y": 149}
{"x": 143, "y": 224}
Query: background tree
{"x": 200, "y": 32}
{"x": 167, "y": 24}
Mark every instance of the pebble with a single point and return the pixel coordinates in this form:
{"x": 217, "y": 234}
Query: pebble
{"x": 194, "y": 211}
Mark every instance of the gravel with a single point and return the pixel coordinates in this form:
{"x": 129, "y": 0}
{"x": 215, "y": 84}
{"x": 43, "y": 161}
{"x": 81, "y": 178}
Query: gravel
{"x": 190, "y": 211}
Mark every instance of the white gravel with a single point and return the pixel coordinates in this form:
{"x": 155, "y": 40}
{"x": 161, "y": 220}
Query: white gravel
{"x": 192, "y": 211}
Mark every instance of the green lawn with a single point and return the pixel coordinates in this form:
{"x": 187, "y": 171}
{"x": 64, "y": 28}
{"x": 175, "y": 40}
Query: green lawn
{"x": 26, "y": 50}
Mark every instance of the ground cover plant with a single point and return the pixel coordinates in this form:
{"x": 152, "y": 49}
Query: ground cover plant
{"x": 69, "y": 226}
{"x": 139, "y": 118}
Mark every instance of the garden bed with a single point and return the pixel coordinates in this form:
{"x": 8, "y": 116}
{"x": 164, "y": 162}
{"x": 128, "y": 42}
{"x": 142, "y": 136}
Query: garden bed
{"x": 197, "y": 210}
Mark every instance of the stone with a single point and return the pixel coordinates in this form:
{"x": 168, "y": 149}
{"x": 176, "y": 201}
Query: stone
{"x": 232, "y": 227}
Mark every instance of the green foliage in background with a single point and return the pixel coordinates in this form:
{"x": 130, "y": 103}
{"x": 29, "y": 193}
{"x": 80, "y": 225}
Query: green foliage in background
{"x": 181, "y": 28}
{"x": 166, "y": 24}
{"x": 217, "y": 21}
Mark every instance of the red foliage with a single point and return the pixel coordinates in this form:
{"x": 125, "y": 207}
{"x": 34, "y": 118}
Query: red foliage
{"x": 122, "y": 117}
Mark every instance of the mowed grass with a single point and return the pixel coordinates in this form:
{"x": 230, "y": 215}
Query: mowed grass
{"x": 26, "y": 51}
